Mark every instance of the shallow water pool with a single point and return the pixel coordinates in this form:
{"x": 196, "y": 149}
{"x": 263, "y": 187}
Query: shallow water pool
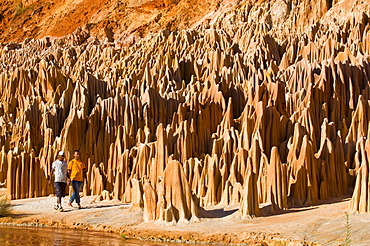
{"x": 21, "y": 235}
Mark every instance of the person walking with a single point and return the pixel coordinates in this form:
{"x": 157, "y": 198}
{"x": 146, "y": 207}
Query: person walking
{"x": 76, "y": 170}
{"x": 59, "y": 169}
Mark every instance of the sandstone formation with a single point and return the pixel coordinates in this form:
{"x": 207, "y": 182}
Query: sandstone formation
{"x": 232, "y": 112}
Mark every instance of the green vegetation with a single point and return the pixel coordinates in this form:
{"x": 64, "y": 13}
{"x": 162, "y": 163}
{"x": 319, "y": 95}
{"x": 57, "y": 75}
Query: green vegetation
{"x": 347, "y": 241}
{"x": 5, "y": 207}
{"x": 19, "y": 9}
{"x": 123, "y": 236}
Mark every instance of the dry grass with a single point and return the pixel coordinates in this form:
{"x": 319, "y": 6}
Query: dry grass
{"x": 5, "y": 207}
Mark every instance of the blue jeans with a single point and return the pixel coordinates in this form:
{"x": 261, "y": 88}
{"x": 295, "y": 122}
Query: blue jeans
{"x": 76, "y": 190}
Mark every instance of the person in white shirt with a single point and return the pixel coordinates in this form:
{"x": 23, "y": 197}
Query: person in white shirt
{"x": 59, "y": 169}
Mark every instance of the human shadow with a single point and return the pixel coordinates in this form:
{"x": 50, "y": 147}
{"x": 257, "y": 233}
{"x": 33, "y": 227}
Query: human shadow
{"x": 97, "y": 206}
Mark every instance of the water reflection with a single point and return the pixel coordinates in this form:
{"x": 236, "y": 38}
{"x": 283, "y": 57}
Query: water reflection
{"x": 53, "y": 236}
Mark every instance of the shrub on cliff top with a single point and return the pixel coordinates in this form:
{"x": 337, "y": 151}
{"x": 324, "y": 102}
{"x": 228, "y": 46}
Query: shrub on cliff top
{"x": 19, "y": 9}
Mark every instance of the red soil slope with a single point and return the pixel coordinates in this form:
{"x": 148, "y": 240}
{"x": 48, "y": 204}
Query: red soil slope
{"x": 123, "y": 18}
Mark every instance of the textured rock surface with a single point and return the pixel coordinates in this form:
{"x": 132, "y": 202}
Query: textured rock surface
{"x": 235, "y": 111}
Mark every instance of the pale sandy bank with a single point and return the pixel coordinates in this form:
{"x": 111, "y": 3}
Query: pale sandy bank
{"x": 322, "y": 224}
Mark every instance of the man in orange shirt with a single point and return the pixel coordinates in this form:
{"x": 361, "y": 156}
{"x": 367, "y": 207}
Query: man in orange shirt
{"x": 76, "y": 170}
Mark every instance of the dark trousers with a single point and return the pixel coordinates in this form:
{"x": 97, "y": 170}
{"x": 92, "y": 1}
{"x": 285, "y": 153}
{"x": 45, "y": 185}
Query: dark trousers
{"x": 60, "y": 189}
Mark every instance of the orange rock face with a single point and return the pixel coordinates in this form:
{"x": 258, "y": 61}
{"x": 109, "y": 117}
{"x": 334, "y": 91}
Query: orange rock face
{"x": 235, "y": 111}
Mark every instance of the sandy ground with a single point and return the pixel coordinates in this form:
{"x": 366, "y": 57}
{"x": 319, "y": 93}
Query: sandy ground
{"x": 323, "y": 224}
